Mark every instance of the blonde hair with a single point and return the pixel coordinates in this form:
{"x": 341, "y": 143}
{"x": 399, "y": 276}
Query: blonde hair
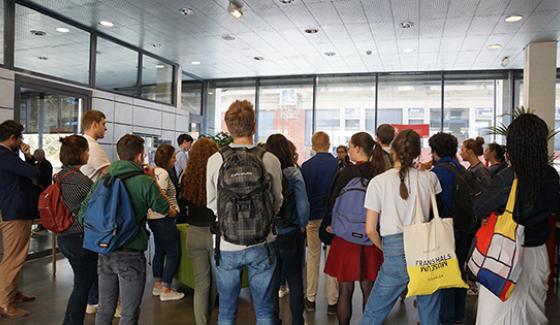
{"x": 240, "y": 118}
{"x": 320, "y": 140}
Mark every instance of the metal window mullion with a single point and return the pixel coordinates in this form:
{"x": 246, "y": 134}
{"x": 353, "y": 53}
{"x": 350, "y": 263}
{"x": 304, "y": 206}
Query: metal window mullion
{"x": 376, "y": 101}
{"x": 257, "y": 106}
{"x": 92, "y": 59}
{"x": 442, "y": 110}
{"x": 314, "y": 105}
{"x": 9, "y": 32}
{"x": 139, "y": 75}
{"x": 204, "y": 107}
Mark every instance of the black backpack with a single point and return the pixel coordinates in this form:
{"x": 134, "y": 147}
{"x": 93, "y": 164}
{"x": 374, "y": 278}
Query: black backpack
{"x": 287, "y": 215}
{"x": 245, "y": 212}
{"x": 466, "y": 188}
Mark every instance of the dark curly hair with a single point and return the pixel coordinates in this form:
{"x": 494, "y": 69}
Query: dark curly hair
{"x": 527, "y": 149}
{"x": 407, "y": 147}
{"x": 444, "y": 144}
{"x": 499, "y": 150}
{"x": 194, "y": 177}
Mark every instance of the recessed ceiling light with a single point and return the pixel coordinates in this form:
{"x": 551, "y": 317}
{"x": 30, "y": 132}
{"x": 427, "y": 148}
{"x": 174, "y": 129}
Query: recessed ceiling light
{"x": 258, "y": 58}
{"x": 312, "y": 30}
{"x": 62, "y": 30}
{"x": 186, "y": 11}
{"x": 156, "y": 45}
{"x": 234, "y": 8}
{"x": 408, "y": 50}
{"x": 105, "y": 23}
{"x": 228, "y": 37}
{"x": 210, "y": 93}
{"x": 369, "y": 52}
{"x": 286, "y": 2}
{"x": 195, "y": 62}
{"x": 407, "y": 24}
{"x": 160, "y": 66}
{"x": 513, "y": 18}
{"x": 37, "y": 32}
{"x": 99, "y": 53}
{"x": 330, "y": 53}
{"x": 44, "y": 58}
{"x": 494, "y": 46}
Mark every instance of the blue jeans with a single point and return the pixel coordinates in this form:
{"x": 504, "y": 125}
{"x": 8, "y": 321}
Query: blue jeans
{"x": 261, "y": 262}
{"x": 167, "y": 246}
{"x": 291, "y": 247}
{"x": 84, "y": 266}
{"x": 391, "y": 282}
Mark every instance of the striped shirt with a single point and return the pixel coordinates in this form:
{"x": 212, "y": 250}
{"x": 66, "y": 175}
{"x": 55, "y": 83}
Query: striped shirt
{"x": 74, "y": 187}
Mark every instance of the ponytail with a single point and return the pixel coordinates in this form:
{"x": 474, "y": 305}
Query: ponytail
{"x": 407, "y": 146}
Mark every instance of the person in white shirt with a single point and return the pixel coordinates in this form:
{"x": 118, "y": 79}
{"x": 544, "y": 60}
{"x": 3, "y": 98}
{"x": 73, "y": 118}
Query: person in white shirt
{"x": 260, "y": 261}
{"x": 390, "y": 201}
{"x": 94, "y": 125}
{"x": 185, "y": 142}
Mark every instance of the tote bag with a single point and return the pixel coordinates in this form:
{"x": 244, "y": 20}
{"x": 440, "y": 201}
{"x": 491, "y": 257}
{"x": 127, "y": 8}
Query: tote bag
{"x": 495, "y": 259}
{"x": 429, "y": 249}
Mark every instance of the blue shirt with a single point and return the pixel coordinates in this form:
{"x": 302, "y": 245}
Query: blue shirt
{"x": 319, "y": 172}
{"x": 300, "y": 206}
{"x": 447, "y": 181}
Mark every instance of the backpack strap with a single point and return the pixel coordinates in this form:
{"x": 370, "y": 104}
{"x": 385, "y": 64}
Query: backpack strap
{"x": 226, "y": 152}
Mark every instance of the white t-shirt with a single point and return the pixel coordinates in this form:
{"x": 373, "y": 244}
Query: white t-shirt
{"x": 98, "y": 159}
{"x": 383, "y": 197}
{"x": 164, "y": 182}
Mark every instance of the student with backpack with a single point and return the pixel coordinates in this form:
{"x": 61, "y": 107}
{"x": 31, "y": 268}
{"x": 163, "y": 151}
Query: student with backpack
{"x": 291, "y": 222}
{"x": 74, "y": 187}
{"x": 244, "y": 190}
{"x": 164, "y": 228}
{"x": 122, "y": 262}
{"x": 353, "y": 257}
{"x": 199, "y": 237}
{"x": 390, "y": 203}
{"x": 456, "y": 202}
{"x": 384, "y": 134}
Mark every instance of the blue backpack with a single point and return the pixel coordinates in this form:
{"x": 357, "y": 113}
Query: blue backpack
{"x": 109, "y": 220}
{"x": 349, "y": 213}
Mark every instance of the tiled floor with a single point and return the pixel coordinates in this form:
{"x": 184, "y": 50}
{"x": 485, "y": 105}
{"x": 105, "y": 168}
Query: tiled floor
{"x": 53, "y": 294}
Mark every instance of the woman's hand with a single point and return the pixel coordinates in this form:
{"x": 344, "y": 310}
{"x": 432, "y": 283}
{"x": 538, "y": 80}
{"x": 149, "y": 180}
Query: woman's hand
{"x": 329, "y": 229}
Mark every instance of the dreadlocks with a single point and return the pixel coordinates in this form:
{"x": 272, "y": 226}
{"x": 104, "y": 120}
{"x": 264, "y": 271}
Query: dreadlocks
{"x": 527, "y": 149}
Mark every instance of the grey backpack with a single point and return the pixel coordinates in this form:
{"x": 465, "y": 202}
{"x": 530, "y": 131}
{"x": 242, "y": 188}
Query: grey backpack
{"x": 245, "y": 213}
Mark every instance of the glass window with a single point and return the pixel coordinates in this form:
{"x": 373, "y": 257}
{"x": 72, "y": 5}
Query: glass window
{"x": 220, "y": 95}
{"x": 116, "y": 67}
{"x": 191, "y": 95}
{"x": 345, "y": 105}
{"x": 411, "y": 99}
{"x": 47, "y": 116}
{"x": 283, "y": 104}
{"x": 49, "y": 46}
{"x": 157, "y": 80}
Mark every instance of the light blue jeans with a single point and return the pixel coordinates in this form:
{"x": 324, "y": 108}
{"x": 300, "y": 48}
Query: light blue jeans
{"x": 261, "y": 262}
{"x": 391, "y": 282}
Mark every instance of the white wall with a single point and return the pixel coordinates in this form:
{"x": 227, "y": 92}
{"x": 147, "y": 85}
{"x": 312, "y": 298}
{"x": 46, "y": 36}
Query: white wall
{"x": 124, "y": 114}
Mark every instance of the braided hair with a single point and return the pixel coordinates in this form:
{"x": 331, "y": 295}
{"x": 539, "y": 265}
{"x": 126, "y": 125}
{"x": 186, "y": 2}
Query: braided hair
{"x": 407, "y": 148}
{"x": 527, "y": 149}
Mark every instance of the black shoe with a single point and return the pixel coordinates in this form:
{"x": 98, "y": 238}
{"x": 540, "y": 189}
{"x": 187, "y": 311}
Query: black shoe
{"x": 331, "y": 310}
{"x": 309, "y": 306}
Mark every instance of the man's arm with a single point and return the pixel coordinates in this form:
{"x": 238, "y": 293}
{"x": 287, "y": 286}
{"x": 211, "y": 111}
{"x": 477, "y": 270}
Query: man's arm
{"x": 212, "y": 173}
{"x": 273, "y": 167}
{"x": 13, "y": 164}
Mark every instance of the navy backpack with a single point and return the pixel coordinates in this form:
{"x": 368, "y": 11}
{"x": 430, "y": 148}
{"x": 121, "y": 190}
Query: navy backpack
{"x": 109, "y": 220}
{"x": 349, "y": 213}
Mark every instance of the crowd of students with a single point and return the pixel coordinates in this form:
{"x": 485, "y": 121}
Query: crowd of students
{"x": 251, "y": 206}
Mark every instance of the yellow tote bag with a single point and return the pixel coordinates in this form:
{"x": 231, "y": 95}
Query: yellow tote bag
{"x": 429, "y": 249}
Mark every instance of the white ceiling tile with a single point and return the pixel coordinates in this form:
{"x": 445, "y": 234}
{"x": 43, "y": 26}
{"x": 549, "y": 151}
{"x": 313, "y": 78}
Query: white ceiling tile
{"x": 428, "y": 45}
{"x": 538, "y": 21}
{"x": 457, "y": 26}
{"x": 431, "y": 28}
{"x": 387, "y": 46}
{"x": 351, "y": 12}
{"x": 405, "y": 10}
{"x": 491, "y": 7}
{"x": 548, "y": 5}
{"x": 462, "y": 8}
{"x": 378, "y": 11}
{"x": 325, "y": 13}
{"x": 473, "y": 43}
{"x": 521, "y": 6}
{"x": 554, "y": 24}
{"x": 299, "y": 15}
{"x": 433, "y": 9}
{"x": 451, "y": 44}
{"x": 336, "y": 32}
{"x": 382, "y": 31}
{"x": 360, "y": 32}
{"x": 483, "y": 25}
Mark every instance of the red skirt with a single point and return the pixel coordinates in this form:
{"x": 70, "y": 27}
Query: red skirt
{"x": 349, "y": 262}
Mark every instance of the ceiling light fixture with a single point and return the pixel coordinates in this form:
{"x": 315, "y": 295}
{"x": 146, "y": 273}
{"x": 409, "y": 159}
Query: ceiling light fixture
{"x": 195, "y": 62}
{"x": 286, "y": 2}
{"x": 407, "y": 24}
{"x": 62, "y": 30}
{"x": 494, "y": 46}
{"x": 505, "y": 61}
{"x": 330, "y": 53}
{"x": 234, "y": 8}
{"x": 513, "y": 18}
{"x": 156, "y": 45}
{"x": 160, "y": 66}
{"x": 369, "y": 52}
{"x": 258, "y": 58}
{"x": 186, "y": 11}
{"x": 105, "y": 23}
{"x": 312, "y": 30}
{"x": 43, "y": 58}
{"x": 408, "y": 50}
{"x": 228, "y": 37}
{"x": 37, "y": 32}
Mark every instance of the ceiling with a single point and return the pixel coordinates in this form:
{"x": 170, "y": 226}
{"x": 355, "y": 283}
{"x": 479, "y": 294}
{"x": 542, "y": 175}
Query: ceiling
{"x": 447, "y": 34}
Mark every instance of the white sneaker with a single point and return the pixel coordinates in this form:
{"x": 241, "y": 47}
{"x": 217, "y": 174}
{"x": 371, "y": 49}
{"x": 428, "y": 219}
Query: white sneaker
{"x": 118, "y": 311}
{"x": 91, "y": 309}
{"x": 283, "y": 292}
{"x": 156, "y": 291}
{"x": 171, "y": 295}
